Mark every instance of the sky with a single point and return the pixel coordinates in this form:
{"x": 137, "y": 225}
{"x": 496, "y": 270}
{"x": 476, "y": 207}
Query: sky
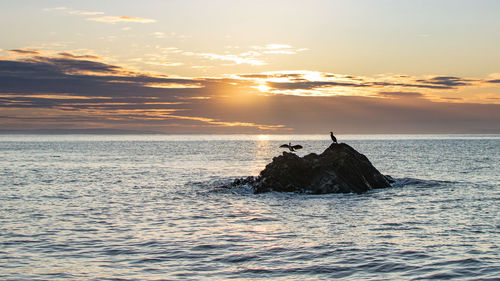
{"x": 259, "y": 67}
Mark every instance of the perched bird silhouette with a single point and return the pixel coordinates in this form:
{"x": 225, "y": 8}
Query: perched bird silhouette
{"x": 292, "y": 147}
{"x": 334, "y": 139}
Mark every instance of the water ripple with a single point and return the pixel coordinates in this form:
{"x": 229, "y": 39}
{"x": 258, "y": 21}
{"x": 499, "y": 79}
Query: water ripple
{"x": 151, "y": 210}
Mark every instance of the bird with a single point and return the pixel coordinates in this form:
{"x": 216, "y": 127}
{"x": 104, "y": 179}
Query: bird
{"x": 292, "y": 147}
{"x": 334, "y": 139}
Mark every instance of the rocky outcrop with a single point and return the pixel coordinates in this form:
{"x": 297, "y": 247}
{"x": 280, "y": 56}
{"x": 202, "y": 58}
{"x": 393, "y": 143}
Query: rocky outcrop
{"x": 339, "y": 169}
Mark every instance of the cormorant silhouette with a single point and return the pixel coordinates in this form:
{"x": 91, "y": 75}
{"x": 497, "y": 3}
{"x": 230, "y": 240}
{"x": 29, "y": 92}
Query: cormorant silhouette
{"x": 334, "y": 139}
{"x": 292, "y": 147}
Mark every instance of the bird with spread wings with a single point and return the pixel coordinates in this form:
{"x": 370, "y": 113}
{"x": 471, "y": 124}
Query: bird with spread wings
{"x": 291, "y": 147}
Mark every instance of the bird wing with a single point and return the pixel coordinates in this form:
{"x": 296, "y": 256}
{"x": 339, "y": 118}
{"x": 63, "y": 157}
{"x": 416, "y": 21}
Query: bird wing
{"x": 298, "y": 146}
{"x": 284, "y": 145}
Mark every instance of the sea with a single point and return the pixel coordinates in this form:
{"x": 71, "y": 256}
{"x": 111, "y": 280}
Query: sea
{"x": 149, "y": 207}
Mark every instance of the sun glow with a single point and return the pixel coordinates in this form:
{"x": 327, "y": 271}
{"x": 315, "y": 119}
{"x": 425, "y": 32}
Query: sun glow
{"x": 263, "y": 88}
{"x": 263, "y": 137}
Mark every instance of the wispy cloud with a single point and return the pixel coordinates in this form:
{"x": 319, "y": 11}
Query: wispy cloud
{"x": 400, "y": 95}
{"x": 164, "y": 63}
{"x": 273, "y": 47}
{"x": 28, "y": 52}
{"x": 73, "y": 11}
{"x": 157, "y": 34}
{"x": 84, "y": 13}
{"x": 161, "y": 35}
{"x": 105, "y": 19}
{"x": 116, "y": 19}
{"x": 255, "y": 56}
{"x": 55, "y": 9}
{"x": 161, "y": 58}
{"x": 73, "y": 56}
{"x": 234, "y": 58}
{"x": 279, "y": 49}
{"x": 220, "y": 123}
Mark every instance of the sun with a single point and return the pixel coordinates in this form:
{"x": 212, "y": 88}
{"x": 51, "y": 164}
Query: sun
{"x": 263, "y": 88}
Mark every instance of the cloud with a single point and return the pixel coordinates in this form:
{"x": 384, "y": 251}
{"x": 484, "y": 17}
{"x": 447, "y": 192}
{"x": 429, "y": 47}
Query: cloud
{"x": 169, "y": 64}
{"x": 411, "y": 84}
{"x": 446, "y": 81}
{"x": 84, "y": 13}
{"x": 65, "y": 90}
{"x": 313, "y": 83}
{"x": 55, "y": 9}
{"x": 72, "y": 64}
{"x": 115, "y": 19}
{"x": 229, "y": 124}
{"x": 106, "y": 19}
{"x": 72, "y": 56}
{"x": 308, "y": 85}
{"x": 234, "y": 58}
{"x": 58, "y": 74}
{"x": 158, "y": 34}
{"x": 258, "y": 76}
{"x": 283, "y": 52}
{"x": 69, "y": 89}
{"x": 24, "y": 52}
{"x": 278, "y": 49}
{"x": 273, "y": 47}
{"x": 161, "y": 35}
{"x": 255, "y": 56}
{"x": 160, "y": 58}
{"x": 73, "y": 12}
{"x": 270, "y": 75}
{"x": 401, "y": 95}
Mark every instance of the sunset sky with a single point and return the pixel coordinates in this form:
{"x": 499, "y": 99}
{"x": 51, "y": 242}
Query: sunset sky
{"x": 250, "y": 66}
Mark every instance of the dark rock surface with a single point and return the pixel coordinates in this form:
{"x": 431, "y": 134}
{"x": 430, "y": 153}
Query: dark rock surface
{"x": 339, "y": 169}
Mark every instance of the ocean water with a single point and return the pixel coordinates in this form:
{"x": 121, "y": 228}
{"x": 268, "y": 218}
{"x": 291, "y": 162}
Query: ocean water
{"x": 146, "y": 207}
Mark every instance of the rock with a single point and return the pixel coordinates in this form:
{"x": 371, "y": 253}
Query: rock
{"x": 243, "y": 181}
{"x": 339, "y": 169}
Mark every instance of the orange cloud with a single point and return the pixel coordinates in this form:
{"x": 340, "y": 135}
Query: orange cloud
{"x": 314, "y": 83}
{"x": 228, "y": 123}
{"x": 64, "y": 90}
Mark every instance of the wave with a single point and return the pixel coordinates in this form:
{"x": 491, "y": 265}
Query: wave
{"x": 225, "y": 185}
{"x": 221, "y": 185}
{"x": 420, "y": 183}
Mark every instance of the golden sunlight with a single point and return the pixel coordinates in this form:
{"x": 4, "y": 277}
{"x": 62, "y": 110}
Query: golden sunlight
{"x": 263, "y": 88}
{"x": 263, "y": 137}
